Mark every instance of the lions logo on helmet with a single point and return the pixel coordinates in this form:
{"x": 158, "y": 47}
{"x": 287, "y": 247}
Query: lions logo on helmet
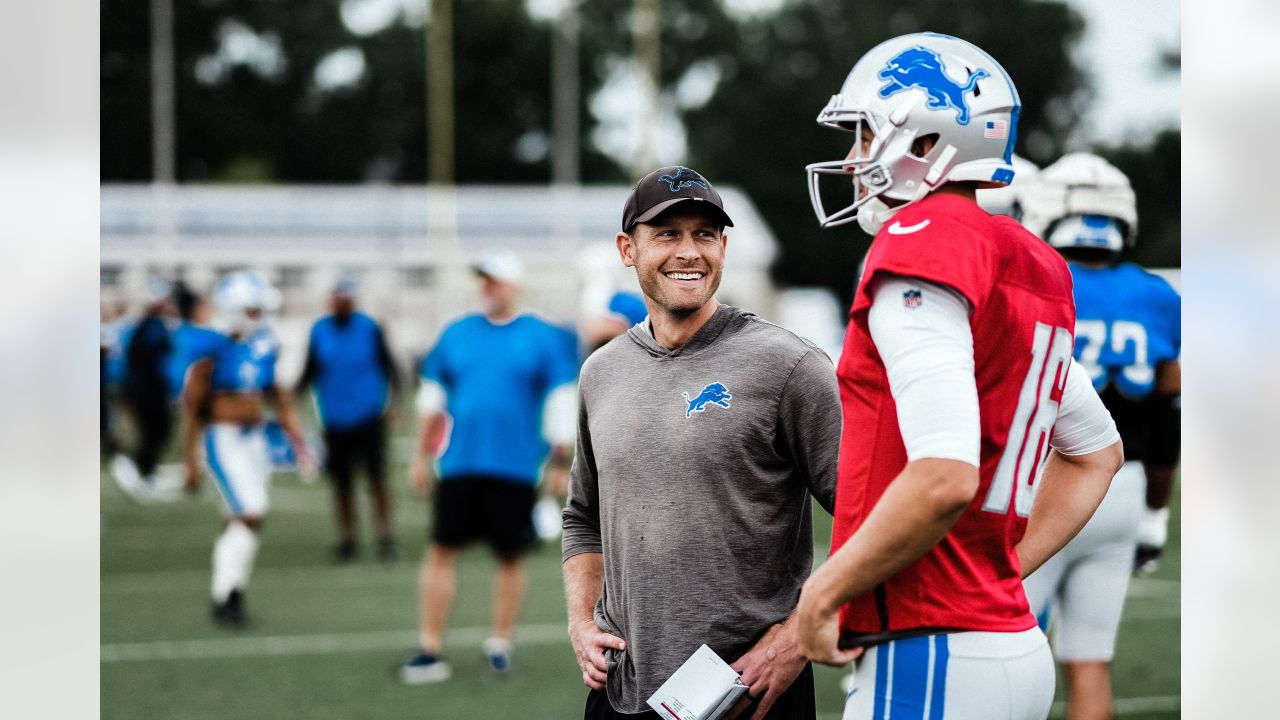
{"x": 921, "y": 67}
{"x": 971, "y": 117}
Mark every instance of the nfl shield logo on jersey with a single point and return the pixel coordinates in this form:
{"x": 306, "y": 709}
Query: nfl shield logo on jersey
{"x": 912, "y": 298}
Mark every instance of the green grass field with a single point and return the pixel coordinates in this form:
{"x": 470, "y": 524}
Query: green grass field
{"x": 325, "y": 639}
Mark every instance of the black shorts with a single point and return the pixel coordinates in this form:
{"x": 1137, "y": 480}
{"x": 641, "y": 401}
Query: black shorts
{"x": 795, "y": 703}
{"x": 471, "y": 507}
{"x": 348, "y": 448}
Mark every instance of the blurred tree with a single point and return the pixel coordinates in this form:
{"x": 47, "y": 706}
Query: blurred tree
{"x": 1155, "y": 171}
{"x": 333, "y": 91}
{"x": 291, "y": 92}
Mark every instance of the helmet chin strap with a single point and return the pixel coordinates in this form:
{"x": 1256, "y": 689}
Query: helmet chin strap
{"x": 874, "y": 213}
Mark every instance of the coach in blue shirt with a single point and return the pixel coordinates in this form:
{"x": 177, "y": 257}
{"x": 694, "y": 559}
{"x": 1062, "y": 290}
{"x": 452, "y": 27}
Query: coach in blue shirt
{"x": 352, "y": 375}
{"x": 505, "y": 382}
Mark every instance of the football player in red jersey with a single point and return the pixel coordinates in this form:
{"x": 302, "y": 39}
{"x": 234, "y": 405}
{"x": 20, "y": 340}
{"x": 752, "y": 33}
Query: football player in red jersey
{"x": 973, "y": 447}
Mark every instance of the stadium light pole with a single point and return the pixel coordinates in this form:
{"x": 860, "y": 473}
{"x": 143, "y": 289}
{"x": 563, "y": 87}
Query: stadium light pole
{"x": 565, "y": 91}
{"x": 646, "y": 42}
{"x": 162, "y": 92}
{"x": 164, "y": 236}
{"x": 442, "y": 218}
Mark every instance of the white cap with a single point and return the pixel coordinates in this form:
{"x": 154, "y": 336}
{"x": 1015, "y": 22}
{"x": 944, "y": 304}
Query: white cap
{"x": 158, "y": 289}
{"x": 502, "y": 265}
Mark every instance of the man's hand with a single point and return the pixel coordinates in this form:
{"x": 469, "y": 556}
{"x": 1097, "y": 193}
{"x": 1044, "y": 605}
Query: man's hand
{"x": 1153, "y": 533}
{"x": 768, "y": 669}
{"x": 818, "y": 631}
{"x": 421, "y": 475}
{"x": 589, "y": 644}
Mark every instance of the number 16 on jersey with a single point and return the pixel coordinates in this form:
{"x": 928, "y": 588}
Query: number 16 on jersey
{"x": 1027, "y": 445}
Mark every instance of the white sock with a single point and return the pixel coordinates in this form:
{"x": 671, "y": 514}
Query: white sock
{"x": 233, "y": 556}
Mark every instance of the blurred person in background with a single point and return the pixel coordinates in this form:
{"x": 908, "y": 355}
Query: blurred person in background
{"x": 689, "y": 519}
{"x": 224, "y": 402}
{"x": 622, "y": 310}
{"x": 193, "y": 337}
{"x": 974, "y": 447}
{"x": 146, "y": 394}
{"x": 1128, "y": 337}
{"x": 503, "y": 382}
{"x": 355, "y": 384}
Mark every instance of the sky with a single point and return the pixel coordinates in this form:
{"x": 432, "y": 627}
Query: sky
{"x": 1120, "y": 51}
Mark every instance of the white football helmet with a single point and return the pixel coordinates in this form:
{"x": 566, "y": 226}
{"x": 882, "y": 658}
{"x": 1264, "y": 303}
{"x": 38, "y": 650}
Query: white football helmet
{"x": 911, "y": 87}
{"x": 243, "y": 300}
{"x": 1070, "y": 199}
{"x": 1008, "y": 200}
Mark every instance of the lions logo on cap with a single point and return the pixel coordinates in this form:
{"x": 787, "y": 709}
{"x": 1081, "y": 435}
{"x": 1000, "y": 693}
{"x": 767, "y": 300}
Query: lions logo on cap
{"x": 920, "y": 67}
{"x": 677, "y": 185}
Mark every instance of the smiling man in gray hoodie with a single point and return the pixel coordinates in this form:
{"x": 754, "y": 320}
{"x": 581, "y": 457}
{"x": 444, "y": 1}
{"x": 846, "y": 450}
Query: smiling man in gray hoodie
{"x": 702, "y": 433}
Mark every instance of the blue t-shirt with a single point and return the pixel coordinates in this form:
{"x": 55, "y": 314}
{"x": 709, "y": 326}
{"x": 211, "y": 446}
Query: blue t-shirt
{"x": 1128, "y": 321}
{"x": 496, "y": 379}
{"x": 247, "y": 365}
{"x": 190, "y": 343}
{"x": 346, "y": 369}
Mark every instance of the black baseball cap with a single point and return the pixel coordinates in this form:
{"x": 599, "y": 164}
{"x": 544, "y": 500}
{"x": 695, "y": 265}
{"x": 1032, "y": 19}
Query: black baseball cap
{"x": 665, "y": 187}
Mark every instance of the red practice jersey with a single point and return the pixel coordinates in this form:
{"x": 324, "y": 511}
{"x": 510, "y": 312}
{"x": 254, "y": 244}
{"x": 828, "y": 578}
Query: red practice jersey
{"x": 1023, "y": 321}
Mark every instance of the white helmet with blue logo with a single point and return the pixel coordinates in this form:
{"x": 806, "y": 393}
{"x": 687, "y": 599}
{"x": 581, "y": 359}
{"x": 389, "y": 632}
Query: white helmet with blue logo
{"x": 242, "y": 299}
{"x": 910, "y": 87}
{"x": 1081, "y": 201}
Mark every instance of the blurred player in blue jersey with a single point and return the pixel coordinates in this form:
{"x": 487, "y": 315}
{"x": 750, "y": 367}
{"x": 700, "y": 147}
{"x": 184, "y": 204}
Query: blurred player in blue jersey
{"x": 505, "y": 382}
{"x": 350, "y": 370}
{"x": 193, "y": 338}
{"x": 1128, "y": 336}
{"x": 224, "y": 412}
{"x": 146, "y": 393}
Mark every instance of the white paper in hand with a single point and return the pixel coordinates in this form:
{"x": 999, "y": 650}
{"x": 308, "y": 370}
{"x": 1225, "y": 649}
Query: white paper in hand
{"x": 702, "y": 689}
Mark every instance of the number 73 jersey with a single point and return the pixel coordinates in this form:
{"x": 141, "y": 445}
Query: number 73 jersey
{"x": 1128, "y": 322}
{"x": 1022, "y": 319}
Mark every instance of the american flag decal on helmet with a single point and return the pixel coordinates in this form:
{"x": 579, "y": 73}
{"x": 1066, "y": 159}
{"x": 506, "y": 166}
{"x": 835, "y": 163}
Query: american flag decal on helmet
{"x": 996, "y": 129}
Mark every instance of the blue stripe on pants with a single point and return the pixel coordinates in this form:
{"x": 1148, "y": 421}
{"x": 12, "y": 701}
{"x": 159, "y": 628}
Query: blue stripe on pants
{"x": 224, "y": 484}
{"x": 910, "y": 678}
{"x": 939, "y": 696}
{"x": 884, "y": 655}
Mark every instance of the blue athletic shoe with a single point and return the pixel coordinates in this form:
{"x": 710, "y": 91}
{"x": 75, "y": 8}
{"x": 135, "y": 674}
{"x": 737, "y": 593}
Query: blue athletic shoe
{"x": 498, "y": 651}
{"x": 424, "y": 668}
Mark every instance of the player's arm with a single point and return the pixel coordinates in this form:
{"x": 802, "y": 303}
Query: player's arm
{"x": 388, "y": 365}
{"x": 927, "y": 349}
{"x": 430, "y": 404}
{"x": 287, "y": 415}
{"x": 195, "y": 397}
{"x": 1086, "y": 454}
{"x": 1164, "y": 443}
{"x": 310, "y": 368}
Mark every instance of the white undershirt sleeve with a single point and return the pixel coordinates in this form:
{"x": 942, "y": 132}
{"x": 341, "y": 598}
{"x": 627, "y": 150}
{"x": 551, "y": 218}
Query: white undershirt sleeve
{"x": 1084, "y": 425}
{"x": 921, "y": 331}
{"x": 431, "y": 398}
{"x": 560, "y": 415}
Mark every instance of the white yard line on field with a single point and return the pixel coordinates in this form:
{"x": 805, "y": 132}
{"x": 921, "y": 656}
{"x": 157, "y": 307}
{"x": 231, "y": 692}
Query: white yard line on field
{"x": 316, "y": 644}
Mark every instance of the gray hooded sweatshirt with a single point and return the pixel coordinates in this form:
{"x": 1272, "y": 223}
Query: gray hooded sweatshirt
{"x": 693, "y": 474}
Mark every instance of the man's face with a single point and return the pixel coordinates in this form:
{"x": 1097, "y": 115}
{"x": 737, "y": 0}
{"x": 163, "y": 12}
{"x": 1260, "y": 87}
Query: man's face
{"x": 497, "y": 297}
{"x": 342, "y": 304}
{"x": 860, "y": 150}
{"x": 678, "y": 257}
